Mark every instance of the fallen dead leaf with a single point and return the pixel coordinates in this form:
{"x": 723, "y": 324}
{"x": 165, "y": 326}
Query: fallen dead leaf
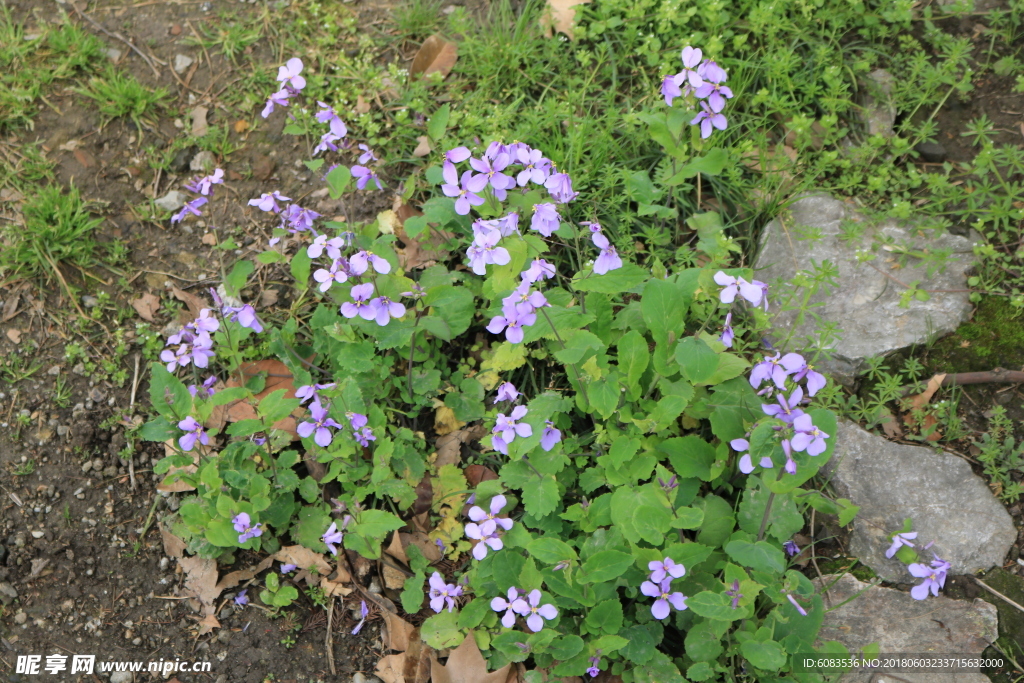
{"x": 234, "y": 578}
{"x": 436, "y": 55}
{"x": 209, "y": 239}
{"x": 278, "y": 377}
{"x": 14, "y": 334}
{"x": 478, "y": 473}
{"x": 421, "y": 540}
{"x": 445, "y": 421}
{"x": 426, "y": 249}
{"x": 393, "y": 579}
{"x": 560, "y": 17}
{"x": 199, "y": 125}
{"x": 194, "y": 303}
{"x": 396, "y": 632}
{"x": 263, "y": 167}
{"x": 241, "y": 126}
{"x": 84, "y": 158}
{"x": 466, "y": 665}
{"x": 891, "y": 426}
{"x": 200, "y": 579}
{"x": 9, "y": 194}
{"x": 38, "y": 565}
{"x": 304, "y": 558}
{"x": 449, "y": 446}
{"x": 396, "y": 549}
{"x": 418, "y": 660}
{"x": 362, "y": 106}
{"x": 424, "y": 497}
{"x": 334, "y": 588}
{"x": 919, "y": 401}
{"x": 423, "y": 147}
{"x": 390, "y": 667}
{"x": 147, "y": 306}
{"x": 207, "y": 624}
{"x": 268, "y": 297}
{"x": 11, "y": 307}
{"x": 173, "y": 546}
{"x": 180, "y": 486}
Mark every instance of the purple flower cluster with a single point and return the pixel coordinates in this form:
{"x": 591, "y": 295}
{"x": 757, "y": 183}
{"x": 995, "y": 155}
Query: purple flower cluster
{"x": 203, "y": 186}
{"x": 484, "y": 527}
{"x": 206, "y": 387}
{"x": 338, "y": 129}
{"x": 193, "y": 432}
{"x": 441, "y": 593}
{"x": 320, "y": 424}
{"x": 380, "y": 309}
{"x": 194, "y": 343}
{"x": 333, "y": 536}
{"x": 703, "y": 80}
{"x": 755, "y": 292}
{"x": 245, "y": 528}
{"x": 291, "y": 84}
{"x": 609, "y": 258}
{"x": 659, "y": 585}
{"x": 526, "y": 605}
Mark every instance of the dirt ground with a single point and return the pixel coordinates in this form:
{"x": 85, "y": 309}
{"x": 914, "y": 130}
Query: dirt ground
{"x": 68, "y": 528}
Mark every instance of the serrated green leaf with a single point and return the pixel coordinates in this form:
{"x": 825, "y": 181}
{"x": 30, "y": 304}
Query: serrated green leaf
{"x": 613, "y": 282}
{"x": 762, "y": 555}
{"x": 605, "y": 617}
{"x": 604, "y": 565}
{"x": 767, "y": 655}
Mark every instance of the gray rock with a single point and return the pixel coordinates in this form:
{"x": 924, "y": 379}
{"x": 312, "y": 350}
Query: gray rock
{"x": 879, "y": 113}
{"x": 932, "y": 152}
{"x": 203, "y": 161}
{"x": 112, "y": 53}
{"x": 865, "y": 304}
{"x": 90, "y": 301}
{"x": 182, "y": 62}
{"x": 360, "y": 677}
{"x": 172, "y": 201}
{"x": 945, "y": 500}
{"x": 181, "y": 158}
{"x": 121, "y": 677}
{"x": 7, "y": 593}
{"x": 900, "y": 624}
{"x": 20, "y": 618}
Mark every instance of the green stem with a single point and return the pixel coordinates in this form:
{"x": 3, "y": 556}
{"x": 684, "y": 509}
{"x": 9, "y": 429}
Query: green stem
{"x": 764, "y": 519}
{"x": 575, "y": 370}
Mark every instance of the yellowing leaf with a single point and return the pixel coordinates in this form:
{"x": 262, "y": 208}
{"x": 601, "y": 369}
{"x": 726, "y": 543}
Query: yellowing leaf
{"x": 445, "y": 421}
{"x": 560, "y": 17}
{"x": 435, "y": 55}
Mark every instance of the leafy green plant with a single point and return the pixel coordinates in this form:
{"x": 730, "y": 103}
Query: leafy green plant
{"x": 276, "y": 595}
{"x": 118, "y": 93}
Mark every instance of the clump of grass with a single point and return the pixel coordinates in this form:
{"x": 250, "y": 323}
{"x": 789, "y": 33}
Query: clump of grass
{"x": 417, "y": 18}
{"x": 58, "y": 228}
{"x": 119, "y": 94}
{"x": 231, "y": 36}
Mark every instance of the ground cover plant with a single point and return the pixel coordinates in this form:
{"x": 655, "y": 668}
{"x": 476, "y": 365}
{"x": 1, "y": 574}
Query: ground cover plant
{"x": 523, "y": 546}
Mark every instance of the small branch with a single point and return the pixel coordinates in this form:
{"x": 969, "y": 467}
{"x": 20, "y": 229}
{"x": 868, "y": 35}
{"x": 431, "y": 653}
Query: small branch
{"x": 996, "y": 593}
{"x": 996, "y": 375}
{"x": 131, "y": 405}
{"x": 329, "y": 640}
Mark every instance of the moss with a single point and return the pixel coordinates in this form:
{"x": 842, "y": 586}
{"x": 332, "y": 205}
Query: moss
{"x": 1011, "y": 620}
{"x": 994, "y": 338}
{"x": 842, "y": 565}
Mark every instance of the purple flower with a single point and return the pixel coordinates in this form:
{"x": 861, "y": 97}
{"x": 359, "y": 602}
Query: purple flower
{"x": 670, "y": 88}
{"x": 791, "y": 548}
{"x": 490, "y": 520}
{"x": 441, "y": 592}
{"x": 485, "y": 250}
{"x": 708, "y": 120}
{"x": 786, "y": 410}
{"x": 367, "y": 156}
{"x": 191, "y": 207}
{"x": 710, "y": 71}
{"x": 716, "y": 95}
{"x": 268, "y": 202}
{"x": 746, "y": 464}
{"x": 733, "y": 285}
{"x": 309, "y": 391}
{"x": 534, "y": 612}
{"x": 593, "y": 670}
{"x": 361, "y": 261}
{"x": 523, "y": 301}
{"x": 506, "y": 392}
{"x": 194, "y": 432}
{"x": 808, "y": 437}
{"x": 338, "y": 272}
{"x": 490, "y": 169}
{"x": 669, "y": 486}
{"x": 338, "y": 127}
{"x": 289, "y": 74}
{"x": 798, "y": 367}
{"x": 559, "y": 185}
{"x": 363, "y": 611}
{"x": 735, "y": 594}
{"x": 465, "y": 195}
{"x": 662, "y": 569}
{"x": 660, "y": 608}
{"x": 801, "y": 610}
{"x": 288, "y": 568}
{"x": 550, "y": 436}
{"x": 691, "y": 60}
{"x": 536, "y": 168}
{"x": 360, "y": 432}
{"x": 326, "y": 113}
{"x": 769, "y": 368}
{"x": 498, "y": 604}
{"x": 457, "y": 155}
{"x": 507, "y": 428}
{"x": 360, "y": 304}
{"x": 327, "y": 141}
{"x": 299, "y": 218}
{"x": 332, "y": 537}
{"x": 727, "y": 333}
{"x": 245, "y": 528}
{"x": 514, "y": 325}
{"x": 609, "y": 258}
{"x": 545, "y": 219}
{"x": 244, "y": 316}
{"x": 320, "y": 424}
{"x": 241, "y": 600}
{"x": 207, "y": 387}
{"x": 787, "y": 448}
{"x": 279, "y": 98}
{"x": 487, "y": 534}
{"x": 363, "y": 176}
{"x": 538, "y": 270}
{"x": 205, "y": 184}
{"x": 899, "y": 540}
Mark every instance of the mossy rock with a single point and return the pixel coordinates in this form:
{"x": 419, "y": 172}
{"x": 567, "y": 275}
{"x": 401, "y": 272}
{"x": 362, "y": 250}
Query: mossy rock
{"x": 993, "y": 339}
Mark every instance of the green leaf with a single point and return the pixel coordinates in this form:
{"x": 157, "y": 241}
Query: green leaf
{"x": 696, "y": 359}
{"x": 541, "y": 497}
{"x": 847, "y": 511}
{"x": 717, "y": 606}
{"x": 659, "y": 669}
{"x": 690, "y": 455}
{"x": 300, "y": 266}
{"x": 622, "y": 451}
{"x": 613, "y": 282}
{"x": 605, "y": 565}
{"x": 473, "y": 613}
{"x": 159, "y": 429}
{"x": 711, "y": 163}
{"x": 729, "y": 366}
{"x": 313, "y": 164}
{"x": 718, "y": 521}
{"x": 652, "y": 523}
{"x": 442, "y": 630}
{"x": 168, "y": 395}
{"x": 688, "y": 518}
{"x": 550, "y": 550}
{"x": 578, "y": 345}
{"x": 762, "y": 556}
{"x": 784, "y": 520}
{"x": 634, "y": 357}
{"x": 438, "y": 123}
{"x": 294, "y": 129}
{"x": 310, "y": 526}
{"x": 700, "y": 671}
{"x": 664, "y": 307}
{"x": 454, "y": 305}
{"x": 767, "y": 655}
{"x": 703, "y": 642}
{"x": 605, "y": 617}
{"x": 643, "y": 639}
{"x": 566, "y": 647}
{"x": 275, "y": 407}
{"x": 604, "y": 395}
{"x": 338, "y": 181}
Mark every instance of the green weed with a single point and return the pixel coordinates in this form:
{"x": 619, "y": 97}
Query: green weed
{"x": 231, "y": 36}
{"x": 118, "y": 93}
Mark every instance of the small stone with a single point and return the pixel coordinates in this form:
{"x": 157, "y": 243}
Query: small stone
{"x": 20, "y": 618}
{"x": 38, "y": 534}
{"x": 112, "y": 53}
{"x": 121, "y": 677}
{"x": 79, "y": 369}
{"x": 53, "y": 371}
{"x": 879, "y": 114}
{"x": 176, "y": 30}
{"x": 227, "y": 612}
{"x": 172, "y": 201}
{"x": 86, "y": 466}
{"x": 931, "y": 152}
{"x": 202, "y": 161}
{"x": 182, "y": 62}
{"x": 7, "y": 593}
{"x": 137, "y": 641}
{"x": 263, "y": 167}
{"x": 90, "y": 301}
{"x": 110, "y": 471}
{"x": 360, "y": 677}
{"x": 97, "y": 464}
{"x": 181, "y": 158}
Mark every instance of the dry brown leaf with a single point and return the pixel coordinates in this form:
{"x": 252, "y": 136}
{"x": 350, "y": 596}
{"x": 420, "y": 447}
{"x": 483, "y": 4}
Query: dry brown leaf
{"x": 422, "y": 521}
{"x": 421, "y": 540}
{"x": 919, "y": 401}
{"x": 304, "y": 558}
{"x": 390, "y": 668}
{"x": 173, "y": 546}
{"x": 207, "y": 624}
{"x": 268, "y": 297}
{"x": 423, "y": 251}
{"x": 478, "y": 473}
{"x": 424, "y": 497}
{"x": 180, "y": 486}
{"x": 362, "y": 106}
{"x": 435, "y": 55}
{"x": 147, "y": 306}
{"x": 278, "y": 377}
{"x": 396, "y": 549}
{"x": 449, "y": 446}
{"x": 200, "y": 579}
{"x": 891, "y": 426}
{"x": 445, "y": 421}
{"x": 241, "y": 126}
{"x": 418, "y": 660}
{"x": 466, "y": 665}
{"x": 209, "y": 239}
{"x": 929, "y": 422}
{"x": 194, "y": 303}
{"x": 393, "y": 579}
{"x": 517, "y": 674}
{"x": 560, "y": 17}
{"x": 11, "y": 307}
{"x": 334, "y": 588}
{"x": 14, "y": 334}
{"x": 423, "y": 147}
{"x": 396, "y": 632}
{"x": 234, "y": 578}
{"x": 199, "y": 125}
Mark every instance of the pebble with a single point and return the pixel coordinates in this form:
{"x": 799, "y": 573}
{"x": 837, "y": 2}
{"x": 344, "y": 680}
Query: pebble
{"x": 172, "y": 201}
{"x": 20, "y": 618}
{"x": 121, "y": 677}
{"x": 202, "y": 161}
{"x": 90, "y": 301}
{"x": 38, "y": 534}
{"x": 86, "y": 466}
{"x": 176, "y": 30}
{"x": 54, "y": 370}
{"x": 113, "y": 53}
{"x": 360, "y": 677}
{"x": 137, "y": 641}
{"x": 63, "y": 430}
{"x": 182, "y": 62}
{"x": 931, "y": 152}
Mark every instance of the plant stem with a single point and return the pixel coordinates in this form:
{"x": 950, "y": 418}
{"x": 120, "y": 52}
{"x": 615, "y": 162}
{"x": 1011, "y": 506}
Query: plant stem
{"x": 575, "y": 370}
{"x": 764, "y": 519}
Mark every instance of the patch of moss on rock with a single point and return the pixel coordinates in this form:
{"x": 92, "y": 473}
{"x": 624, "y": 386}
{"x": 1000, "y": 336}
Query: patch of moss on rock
{"x": 994, "y": 338}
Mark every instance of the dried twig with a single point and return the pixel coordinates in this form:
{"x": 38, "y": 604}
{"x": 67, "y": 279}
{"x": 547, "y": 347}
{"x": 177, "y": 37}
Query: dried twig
{"x": 996, "y": 593}
{"x": 329, "y": 640}
{"x": 131, "y": 405}
{"x": 118, "y": 36}
{"x": 1001, "y": 375}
